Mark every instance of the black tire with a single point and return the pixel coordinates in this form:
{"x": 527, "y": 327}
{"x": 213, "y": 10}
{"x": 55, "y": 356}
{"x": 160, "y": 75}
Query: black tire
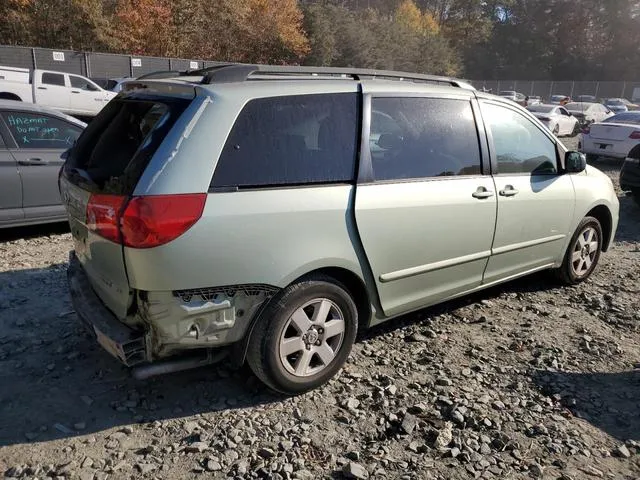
{"x": 567, "y": 273}
{"x": 10, "y": 96}
{"x": 576, "y": 129}
{"x": 263, "y": 353}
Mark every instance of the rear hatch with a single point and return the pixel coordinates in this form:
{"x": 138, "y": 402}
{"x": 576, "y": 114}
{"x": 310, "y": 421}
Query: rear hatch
{"x": 99, "y": 177}
{"x": 612, "y": 131}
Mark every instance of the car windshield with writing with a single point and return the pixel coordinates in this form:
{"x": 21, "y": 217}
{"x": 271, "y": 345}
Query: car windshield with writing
{"x": 34, "y": 130}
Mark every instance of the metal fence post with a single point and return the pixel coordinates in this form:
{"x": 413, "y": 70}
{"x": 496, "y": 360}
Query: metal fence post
{"x": 33, "y": 58}
{"x": 624, "y": 88}
{"x": 550, "y": 91}
{"x": 131, "y": 66}
{"x": 532, "y": 90}
{"x": 573, "y": 85}
{"x": 87, "y": 65}
{"x": 170, "y": 64}
{"x": 597, "y": 89}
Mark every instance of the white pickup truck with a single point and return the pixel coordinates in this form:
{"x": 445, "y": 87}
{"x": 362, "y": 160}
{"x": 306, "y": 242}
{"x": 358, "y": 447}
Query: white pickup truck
{"x": 69, "y": 93}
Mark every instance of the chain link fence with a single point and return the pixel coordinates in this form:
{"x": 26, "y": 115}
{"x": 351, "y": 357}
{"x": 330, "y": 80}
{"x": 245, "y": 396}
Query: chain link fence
{"x": 91, "y": 64}
{"x": 544, "y": 89}
{"x": 107, "y": 65}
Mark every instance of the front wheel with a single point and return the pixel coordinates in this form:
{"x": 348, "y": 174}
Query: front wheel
{"x": 583, "y": 253}
{"x": 304, "y": 336}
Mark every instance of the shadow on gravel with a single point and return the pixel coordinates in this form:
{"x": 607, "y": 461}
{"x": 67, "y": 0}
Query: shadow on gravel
{"x": 56, "y": 382}
{"x": 16, "y": 233}
{"x": 537, "y": 282}
{"x": 609, "y": 401}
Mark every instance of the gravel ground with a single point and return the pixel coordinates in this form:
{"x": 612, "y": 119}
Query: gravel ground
{"x": 527, "y": 380}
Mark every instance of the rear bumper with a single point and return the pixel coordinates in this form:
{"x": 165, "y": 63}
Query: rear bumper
{"x": 614, "y": 148}
{"x": 120, "y": 340}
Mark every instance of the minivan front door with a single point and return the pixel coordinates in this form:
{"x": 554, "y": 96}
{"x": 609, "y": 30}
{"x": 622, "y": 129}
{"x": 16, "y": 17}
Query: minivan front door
{"x": 426, "y": 213}
{"x": 535, "y": 201}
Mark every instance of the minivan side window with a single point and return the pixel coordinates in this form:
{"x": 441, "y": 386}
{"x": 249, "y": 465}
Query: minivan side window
{"x": 413, "y": 138}
{"x": 53, "y": 79}
{"x": 520, "y": 146}
{"x": 34, "y": 130}
{"x": 291, "y": 140}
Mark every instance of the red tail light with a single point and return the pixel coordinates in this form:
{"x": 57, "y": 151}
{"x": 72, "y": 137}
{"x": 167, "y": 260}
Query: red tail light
{"x": 103, "y": 213}
{"x": 635, "y": 135}
{"x": 147, "y": 221}
{"x": 158, "y": 219}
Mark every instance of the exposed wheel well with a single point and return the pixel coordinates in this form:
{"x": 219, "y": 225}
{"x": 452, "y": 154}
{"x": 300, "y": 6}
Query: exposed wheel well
{"x": 603, "y": 215}
{"x": 356, "y": 288}
{"x": 10, "y": 96}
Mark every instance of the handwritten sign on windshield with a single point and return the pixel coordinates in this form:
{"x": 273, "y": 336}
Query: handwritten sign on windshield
{"x": 39, "y": 131}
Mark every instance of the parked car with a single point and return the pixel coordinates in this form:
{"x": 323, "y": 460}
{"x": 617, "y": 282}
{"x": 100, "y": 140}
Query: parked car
{"x": 534, "y": 100}
{"x": 32, "y": 138}
{"x": 556, "y": 118}
{"x": 255, "y": 225}
{"x": 68, "y": 93}
{"x": 116, "y": 84}
{"x": 630, "y": 173}
{"x": 586, "y": 98}
{"x": 517, "y": 97}
{"x": 616, "y": 105}
{"x": 615, "y": 137}
{"x": 587, "y": 113}
{"x": 559, "y": 99}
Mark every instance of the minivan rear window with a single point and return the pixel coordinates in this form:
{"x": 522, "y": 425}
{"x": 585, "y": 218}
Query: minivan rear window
{"x": 116, "y": 147}
{"x": 291, "y": 140}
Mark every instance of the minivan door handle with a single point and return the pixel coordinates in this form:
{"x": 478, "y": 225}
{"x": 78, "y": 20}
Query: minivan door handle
{"x": 482, "y": 193}
{"x": 508, "y": 191}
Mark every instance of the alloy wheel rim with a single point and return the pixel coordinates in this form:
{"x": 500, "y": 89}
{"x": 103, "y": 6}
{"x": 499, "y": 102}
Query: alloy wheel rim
{"x": 311, "y": 338}
{"x": 585, "y": 251}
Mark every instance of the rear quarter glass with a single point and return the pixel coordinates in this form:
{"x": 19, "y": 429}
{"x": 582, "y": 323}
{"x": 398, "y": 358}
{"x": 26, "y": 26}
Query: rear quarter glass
{"x": 116, "y": 147}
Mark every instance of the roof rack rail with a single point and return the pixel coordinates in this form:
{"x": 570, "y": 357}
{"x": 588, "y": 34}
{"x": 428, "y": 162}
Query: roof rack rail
{"x": 239, "y": 72}
{"x": 159, "y": 74}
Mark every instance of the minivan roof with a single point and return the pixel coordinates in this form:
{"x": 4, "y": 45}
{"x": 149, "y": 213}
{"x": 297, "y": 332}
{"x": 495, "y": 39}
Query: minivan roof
{"x": 239, "y": 72}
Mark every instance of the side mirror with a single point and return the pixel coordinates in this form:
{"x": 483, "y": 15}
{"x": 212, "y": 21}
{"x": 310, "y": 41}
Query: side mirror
{"x": 575, "y": 162}
{"x": 390, "y": 141}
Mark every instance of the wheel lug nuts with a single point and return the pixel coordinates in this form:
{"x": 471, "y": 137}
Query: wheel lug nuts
{"x": 321, "y": 330}
{"x": 318, "y": 343}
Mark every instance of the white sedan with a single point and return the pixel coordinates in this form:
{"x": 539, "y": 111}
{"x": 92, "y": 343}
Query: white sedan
{"x": 588, "y": 113}
{"x": 556, "y": 118}
{"x": 615, "y": 137}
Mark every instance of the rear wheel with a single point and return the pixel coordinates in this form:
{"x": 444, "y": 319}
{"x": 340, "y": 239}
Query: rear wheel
{"x": 576, "y": 129}
{"x": 304, "y": 336}
{"x": 583, "y": 252}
